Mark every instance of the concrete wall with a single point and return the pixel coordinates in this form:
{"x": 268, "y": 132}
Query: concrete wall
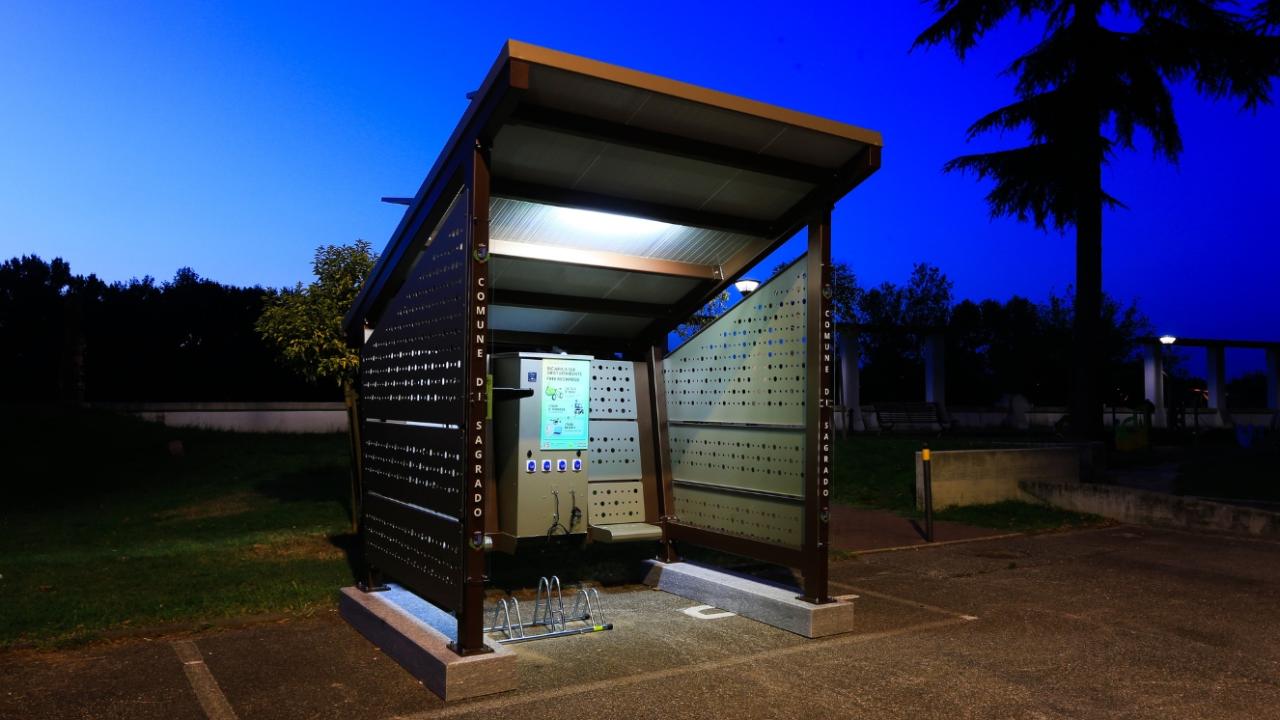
{"x": 977, "y": 417}
{"x": 1141, "y": 507}
{"x": 1262, "y": 418}
{"x": 1041, "y": 418}
{"x": 313, "y": 417}
{"x": 978, "y": 477}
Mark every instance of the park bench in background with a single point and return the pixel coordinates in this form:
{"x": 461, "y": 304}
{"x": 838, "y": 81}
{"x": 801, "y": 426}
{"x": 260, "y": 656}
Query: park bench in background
{"x": 912, "y": 416}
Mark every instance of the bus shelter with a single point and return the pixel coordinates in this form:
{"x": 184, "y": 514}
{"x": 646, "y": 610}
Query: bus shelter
{"x": 515, "y": 380}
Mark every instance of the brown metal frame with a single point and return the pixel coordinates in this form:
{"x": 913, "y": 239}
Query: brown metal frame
{"x": 477, "y": 459}
{"x": 820, "y": 331}
{"x": 649, "y": 472}
{"x": 661, "y": 446}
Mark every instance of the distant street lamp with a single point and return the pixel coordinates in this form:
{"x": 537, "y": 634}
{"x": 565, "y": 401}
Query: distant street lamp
{"x": 1168, "y": 339}
{"x": 746, "y": 286}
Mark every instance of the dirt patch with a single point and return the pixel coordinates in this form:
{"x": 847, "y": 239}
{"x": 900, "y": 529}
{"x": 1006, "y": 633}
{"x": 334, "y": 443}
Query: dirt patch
{"x": 225, "y": 506}
{"x": 294, "y": 548}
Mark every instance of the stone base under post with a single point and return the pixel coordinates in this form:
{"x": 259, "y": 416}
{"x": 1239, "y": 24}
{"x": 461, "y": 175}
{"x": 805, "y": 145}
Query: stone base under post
{"x": 753, "y": 598}
{"x": 416, "y": 634}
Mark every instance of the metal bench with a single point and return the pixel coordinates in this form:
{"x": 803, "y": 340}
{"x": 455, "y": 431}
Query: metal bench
{"x": 889, "y": 415}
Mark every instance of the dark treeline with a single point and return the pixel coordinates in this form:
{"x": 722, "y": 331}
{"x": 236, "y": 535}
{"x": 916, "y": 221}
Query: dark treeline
{"x": 68, "y": 337}
{"x": 992, "y": 348}
{"x": 996, "y": 348}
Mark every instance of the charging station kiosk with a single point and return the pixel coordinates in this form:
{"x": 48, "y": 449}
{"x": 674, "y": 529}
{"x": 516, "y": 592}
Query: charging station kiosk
{"x": 516, "y": 380}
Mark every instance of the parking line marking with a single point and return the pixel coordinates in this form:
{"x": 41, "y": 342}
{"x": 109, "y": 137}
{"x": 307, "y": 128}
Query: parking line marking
{"x": 486, "y": 706}
{"x": 204, "y": 685}
{"x": 904, "y": 601}
{"x": 700, "y": 612}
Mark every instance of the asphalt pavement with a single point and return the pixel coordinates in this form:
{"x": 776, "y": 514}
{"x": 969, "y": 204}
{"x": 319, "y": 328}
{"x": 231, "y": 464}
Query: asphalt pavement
{"x": 1117, "y": 622}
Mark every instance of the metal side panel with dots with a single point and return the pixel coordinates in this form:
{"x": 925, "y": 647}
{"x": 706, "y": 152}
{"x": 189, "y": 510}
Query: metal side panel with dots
{"x": 613, "y": 390}
{"x": 751, "y": 459}
{"x": 417, "y": 465}
{"x": 411, "y": 366}
{"x": 614, "y": 450}
{"x": 779, "y": 522}
{"x": 747, "y": 366}
{"x": 615, "y": 502}
{"x": 420, "y": 548}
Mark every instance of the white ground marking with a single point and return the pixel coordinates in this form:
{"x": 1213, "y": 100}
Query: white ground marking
{"x": 700, "y": 612}
{"x": 502, "y": 702}
{"x": 903, "y": 601}
{"x": 206, "y": 688}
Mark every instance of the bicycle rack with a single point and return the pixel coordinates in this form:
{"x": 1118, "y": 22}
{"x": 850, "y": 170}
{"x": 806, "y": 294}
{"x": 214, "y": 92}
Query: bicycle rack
{"x": 548, "y": 613}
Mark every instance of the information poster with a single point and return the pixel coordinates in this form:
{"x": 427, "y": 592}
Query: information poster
{"x": 566, "y": 389}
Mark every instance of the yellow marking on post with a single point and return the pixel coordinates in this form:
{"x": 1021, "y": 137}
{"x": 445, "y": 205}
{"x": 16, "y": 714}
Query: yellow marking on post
{"x": 924, "y": 454}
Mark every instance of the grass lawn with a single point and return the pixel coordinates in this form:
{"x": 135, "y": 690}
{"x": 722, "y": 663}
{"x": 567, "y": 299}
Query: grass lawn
{"x": 878, "y": 471}
{"x": 104, "y": 530}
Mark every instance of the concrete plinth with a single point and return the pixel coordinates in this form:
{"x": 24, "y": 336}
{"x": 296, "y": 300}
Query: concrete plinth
{"x": 752, "y": 598}
{"x": 416, "y": 635}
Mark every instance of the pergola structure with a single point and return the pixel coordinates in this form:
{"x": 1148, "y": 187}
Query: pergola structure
{"x": 586, "y": 208}
{"x": 1216, "y": 367}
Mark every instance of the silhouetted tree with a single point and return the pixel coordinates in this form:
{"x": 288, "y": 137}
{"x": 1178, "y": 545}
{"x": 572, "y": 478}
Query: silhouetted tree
{"x": 1021, "y": 347}
{"x": 1249, "y": 391}
{"x": 1082, "y": 92}
{"x": 898, "y": 318}
{"x": 73, "y": 337}
{"x": 33, "y": 314}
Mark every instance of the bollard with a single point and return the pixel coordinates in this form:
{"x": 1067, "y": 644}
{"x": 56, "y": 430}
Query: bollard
{"x": 928, "y": 494}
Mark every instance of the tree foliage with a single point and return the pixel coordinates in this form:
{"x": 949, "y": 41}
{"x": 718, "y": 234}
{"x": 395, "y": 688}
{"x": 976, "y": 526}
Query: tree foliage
{"x": 998, "y": 348}
{"x": 1100, "y": 73}
{"x": 304, "y": 324}
{"x": 72, "y": 337}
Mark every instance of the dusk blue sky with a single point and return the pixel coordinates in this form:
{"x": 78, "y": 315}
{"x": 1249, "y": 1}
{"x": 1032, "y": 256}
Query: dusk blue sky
{"x": 236, "y": 137}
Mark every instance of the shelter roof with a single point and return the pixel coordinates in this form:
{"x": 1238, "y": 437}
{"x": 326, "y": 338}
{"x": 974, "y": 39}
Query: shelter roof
{"x": 621, "y": 201}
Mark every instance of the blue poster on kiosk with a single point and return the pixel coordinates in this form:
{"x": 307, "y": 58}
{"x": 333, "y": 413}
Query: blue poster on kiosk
{"x": 566, "y": 389}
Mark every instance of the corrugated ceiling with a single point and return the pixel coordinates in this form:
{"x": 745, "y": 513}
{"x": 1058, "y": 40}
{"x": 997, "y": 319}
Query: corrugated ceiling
{"x": 537, "y": 224}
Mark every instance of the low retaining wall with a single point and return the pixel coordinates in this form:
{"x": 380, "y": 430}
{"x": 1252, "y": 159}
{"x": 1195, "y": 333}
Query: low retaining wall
{"x": 1142, "y": 507}
{"x": 979, "y": 477}
{"x": 277, "y": 417}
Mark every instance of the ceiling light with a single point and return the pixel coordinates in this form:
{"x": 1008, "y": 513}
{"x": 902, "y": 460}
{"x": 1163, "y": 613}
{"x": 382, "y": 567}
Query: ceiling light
{"x": 601, "y": 223}
{"x": 746, "y": 286}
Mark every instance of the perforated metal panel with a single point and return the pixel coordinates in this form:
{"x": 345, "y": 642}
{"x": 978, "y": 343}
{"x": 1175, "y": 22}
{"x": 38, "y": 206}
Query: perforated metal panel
{"x": 752, "y": 459}
{"x": 613, "y": 390}
{"x": 765, "y": 519}
{"x": 417, "y": 547}
{"x": 749, "y": 365}
{"x": 615, "y": 502}
{"x": 411, "y": 366}
{"x": 412, "y": 369}
{"x": 735, "y": 399}
{"x": 615, "y": 450}
{"x": 418, "y": 465}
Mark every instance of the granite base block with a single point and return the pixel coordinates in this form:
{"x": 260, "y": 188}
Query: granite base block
{"x": 417, "y": 635}
{"x": 749, "y": 597}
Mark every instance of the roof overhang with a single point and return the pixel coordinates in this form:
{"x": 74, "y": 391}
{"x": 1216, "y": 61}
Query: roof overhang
{"x": 707, "y": 183}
